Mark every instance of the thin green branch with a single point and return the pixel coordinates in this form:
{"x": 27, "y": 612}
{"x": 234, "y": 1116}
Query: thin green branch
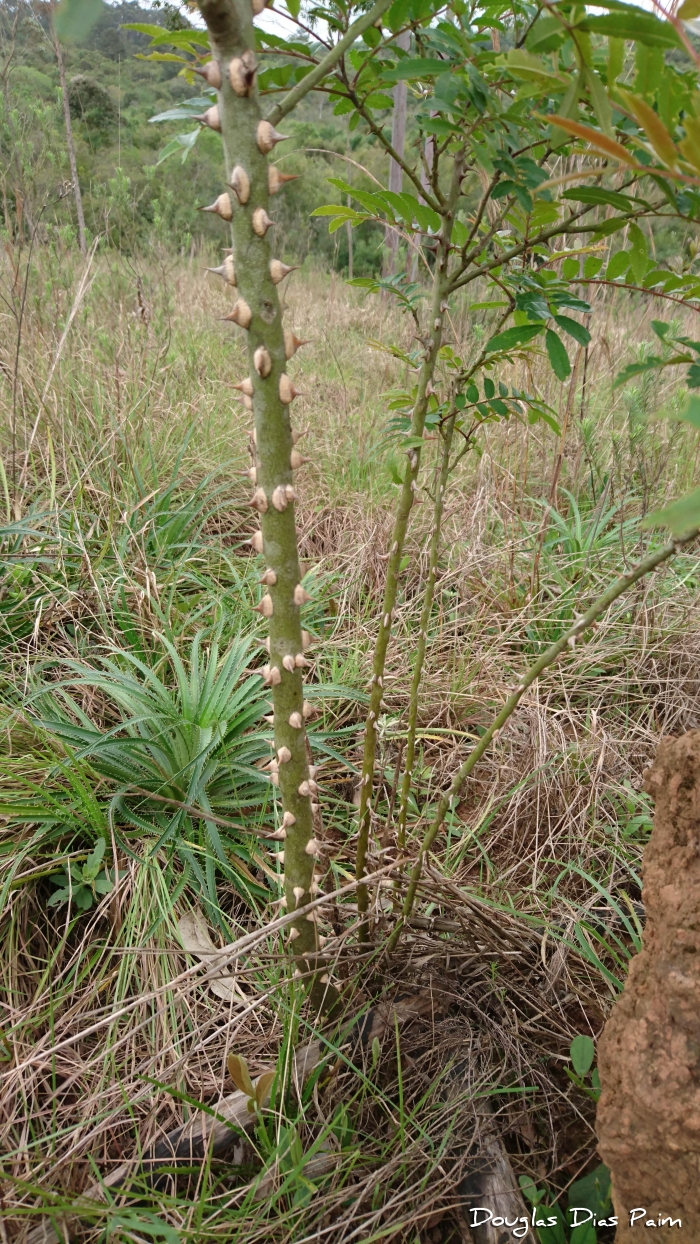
{"x": 431, "y": 200}
{"x": 562, "y": 227}
{"x": 403, "y": 513}
{"x": 446, "y": 469}
{"x": 448, "y": 433}
{"x": 637, "y": 289}
{"x": 317, "y": 75}
{"x": 599, "y": 606}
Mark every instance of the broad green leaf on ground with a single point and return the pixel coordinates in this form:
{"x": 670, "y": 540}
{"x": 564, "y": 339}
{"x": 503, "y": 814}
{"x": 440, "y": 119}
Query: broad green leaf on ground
{"x": 582, "y": 1053}
{"x": 592, "y": 1191}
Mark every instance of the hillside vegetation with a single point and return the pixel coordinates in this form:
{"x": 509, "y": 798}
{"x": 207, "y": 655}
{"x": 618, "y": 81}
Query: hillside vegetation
{"x": 130, "y": 200}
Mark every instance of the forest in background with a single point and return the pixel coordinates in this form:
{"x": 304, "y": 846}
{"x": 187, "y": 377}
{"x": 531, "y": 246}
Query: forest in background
{"x": 130, "y": 200}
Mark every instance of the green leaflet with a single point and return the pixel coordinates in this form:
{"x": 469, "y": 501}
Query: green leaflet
{"x": 386, "y": 202}
{"x": 618, "y": 265}
{"x": 595, "y": 195}
{"x": 582, "y": 1051}
{"x": 593, "y": 1190}
{"x": 689, "y": 414}
{"x": 600, "y": 101}
{"x": 75, "y": 19}
{"x": 638, "y": 252}
{"x": 184, "y": 112}
{"x": 635, "y": 25}
{"x": 636, "y": 369}
{"x": 517, "y": 336}
{"x": 532, "y": 68}
{"x": 415, "y": 68}
{"x": 175, "y": 38}
{"x": 558, "y": 356}
{"x": 545, "y": 35}
{"x": 182, "y": 143}
{"x": 616, "y": 60}
{"x": 579, "y": 332}
{"x": 680, "y": 516}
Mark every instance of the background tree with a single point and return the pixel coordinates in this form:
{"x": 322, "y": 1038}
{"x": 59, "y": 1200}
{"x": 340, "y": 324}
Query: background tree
{"x": 398, "y": 135}
{"x": 51, "y": 16}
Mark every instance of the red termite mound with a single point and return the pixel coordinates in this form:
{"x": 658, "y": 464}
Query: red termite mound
{"x": 649, "y": 1055}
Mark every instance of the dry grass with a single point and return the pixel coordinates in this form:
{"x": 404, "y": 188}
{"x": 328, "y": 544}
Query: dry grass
{"x": 540, "y": 857}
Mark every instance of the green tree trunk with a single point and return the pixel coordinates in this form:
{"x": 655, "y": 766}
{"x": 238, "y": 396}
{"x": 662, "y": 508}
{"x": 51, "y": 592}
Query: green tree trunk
{"x": 248, "y": 141}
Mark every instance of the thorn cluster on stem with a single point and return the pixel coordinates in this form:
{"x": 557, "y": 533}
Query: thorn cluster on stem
{"x": 211, "y": 118}
{"x": 242, "y": 72}
{"x": 221, "y": 206}
{"x": 270, "y": 391}
{"x": 226, "y": 270}
{"x": 240, "y": 184}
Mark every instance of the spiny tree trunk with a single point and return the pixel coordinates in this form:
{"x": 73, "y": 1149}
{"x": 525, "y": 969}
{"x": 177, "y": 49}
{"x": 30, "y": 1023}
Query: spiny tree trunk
{"x": 398, "y": 138}
{"x": 248, "y": 140}
{"x": 69, "y": 142}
